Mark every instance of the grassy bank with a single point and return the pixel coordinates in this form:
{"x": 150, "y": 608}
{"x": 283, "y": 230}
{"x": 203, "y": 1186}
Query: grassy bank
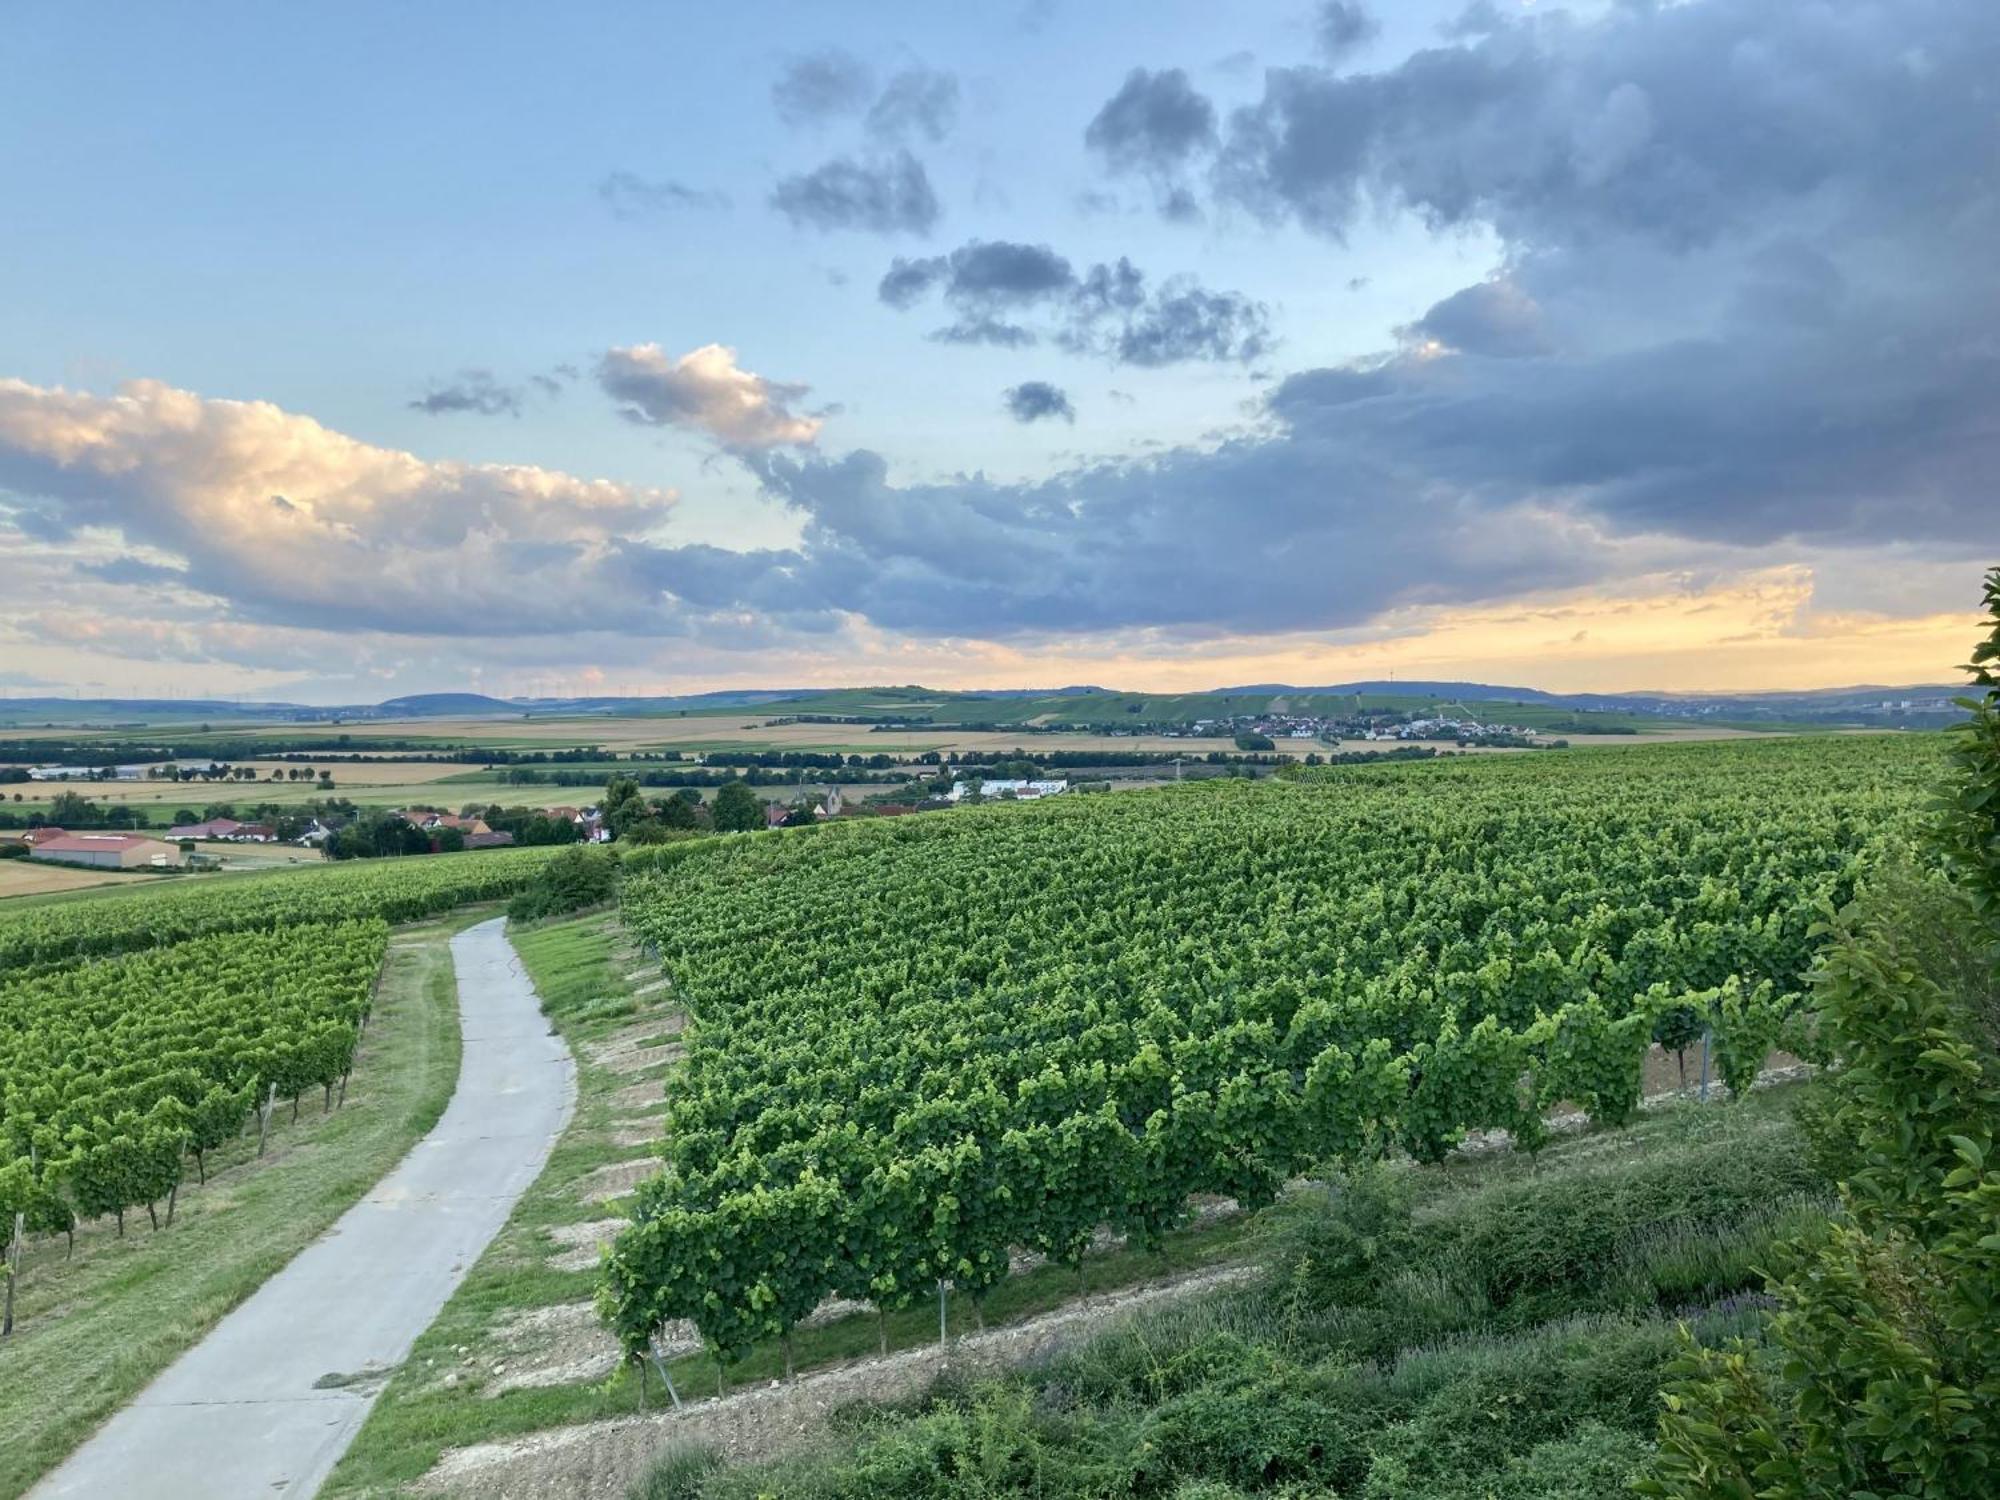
{"x": 94, "y": 1328}
{"x": 1494, "y": 1331}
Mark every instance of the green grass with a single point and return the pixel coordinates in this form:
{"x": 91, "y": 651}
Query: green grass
{"x": 93, "y": 1329}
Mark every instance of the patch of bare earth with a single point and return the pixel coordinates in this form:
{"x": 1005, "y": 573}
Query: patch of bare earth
{"x": 648, "y": 1093}
{"x": 582, "y": 1242}
{"x": 546, "y": 1346}
{"x": 1780, "y": 1068}
{"x": 1202, "y": 1211}
{"x": 616, "y": 1179}
{"x": 602, "y": 1460}
{"x": 637, "y": 1132}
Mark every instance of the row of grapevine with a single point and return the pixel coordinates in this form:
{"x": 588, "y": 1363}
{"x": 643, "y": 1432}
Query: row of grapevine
{"x": 172, "y": 910}
{"x": 113, "y": 1073}
{"x": 919, "y": 1043}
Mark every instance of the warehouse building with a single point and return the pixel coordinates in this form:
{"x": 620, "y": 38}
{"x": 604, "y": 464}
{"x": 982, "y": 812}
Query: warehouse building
{"x": 108, "y": 851}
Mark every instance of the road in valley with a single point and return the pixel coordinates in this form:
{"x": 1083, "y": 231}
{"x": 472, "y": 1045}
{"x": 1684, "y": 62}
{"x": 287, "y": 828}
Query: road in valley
{"x": 250, "y": 1411}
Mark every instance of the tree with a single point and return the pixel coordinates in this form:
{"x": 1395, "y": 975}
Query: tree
{"x": 623, "y": 805}
{"x": 676, "y": 812}
{"x": 1249, "y": 741}
{"x": 1880, "y": 1374}
{"x": 737, "y": 809}
{"x": 73, "y": 810}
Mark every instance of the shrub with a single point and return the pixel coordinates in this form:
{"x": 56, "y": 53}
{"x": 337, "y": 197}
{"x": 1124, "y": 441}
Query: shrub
{"x": 578, "y": 877}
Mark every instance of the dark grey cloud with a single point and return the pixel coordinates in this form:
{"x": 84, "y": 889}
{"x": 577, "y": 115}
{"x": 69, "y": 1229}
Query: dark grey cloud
{"x": 1184, "y": 322}
{"x": 1744, "y": 316}
{"x": 1342, "y": 27}
{"x": 630, "y": 196}
{"x": 981, "y": 274}
{"x": 919, "y": 102}
{"x": 473, "y": 391}
{"x": 994, "y": 286}
{"x": 1123, "y": 546}
{"x": 984, "y": 329}
{"x": 1495, "y": 318}
{"x": 1156, "y": 122}
{"x": 1034, "y": 400}
{"x": 1680, "y": 123}
{"x": 821, "y": 86}
{"x": 886, "y": 194}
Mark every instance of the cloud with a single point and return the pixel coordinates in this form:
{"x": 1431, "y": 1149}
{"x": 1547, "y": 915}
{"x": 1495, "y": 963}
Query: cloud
{"x": 1156, "y": 122}
{"x": 632, "y": 197}
{"x": 1184, "y": 322}
{"x": 1343, "y": 27}
{"x": 917, "y": 102}
{"x": 1156, "y": 126}
{"x": 888, "y": 194}
{"x": 133, "y": 571}
{"x": 1740, "y": 315}
{"x": 1032, "y": 400}
{"x": 704, "y": 390}
{"x": 1680, "y": 123}
{"x": 985, "y": 329}
{"x": 821, "y": 86}
{"x": 1494, "y": 318}
{"x": 991, "y": 286}
{"x": 296, "y": 525}
{"x": 473, "y": 391}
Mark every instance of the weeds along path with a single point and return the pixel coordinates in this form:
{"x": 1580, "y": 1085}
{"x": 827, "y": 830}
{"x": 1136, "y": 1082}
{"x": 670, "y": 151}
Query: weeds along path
{"x": 270, "y": 1399}
{"x": 601, "y": 1460}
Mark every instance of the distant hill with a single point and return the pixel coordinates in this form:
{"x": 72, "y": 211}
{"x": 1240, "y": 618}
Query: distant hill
{"x": 427, "y": 705}
{"x": 1929, "y": 704}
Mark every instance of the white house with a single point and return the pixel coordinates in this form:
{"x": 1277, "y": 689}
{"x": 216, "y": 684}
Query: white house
{"x": 1023, "y": 791}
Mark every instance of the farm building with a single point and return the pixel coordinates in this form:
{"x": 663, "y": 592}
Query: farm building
{"x": 226, "y": 829}
{"x": 1023, "y": 791}
{"x": 108, "y": 851}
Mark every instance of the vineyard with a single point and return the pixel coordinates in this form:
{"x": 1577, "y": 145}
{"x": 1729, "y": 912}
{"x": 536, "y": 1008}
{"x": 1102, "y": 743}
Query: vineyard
{"x": 394, "y": 890}
{"x": 138, "y": 1033}
{"x": 916, "y": 1045}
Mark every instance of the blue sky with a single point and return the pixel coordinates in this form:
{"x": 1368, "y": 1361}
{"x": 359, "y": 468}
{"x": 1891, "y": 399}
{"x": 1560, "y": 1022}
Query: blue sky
{"x": 337, "y": 213}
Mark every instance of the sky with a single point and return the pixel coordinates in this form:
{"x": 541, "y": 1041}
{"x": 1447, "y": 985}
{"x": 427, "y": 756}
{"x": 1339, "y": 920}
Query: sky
{"x": 348, "y": 352}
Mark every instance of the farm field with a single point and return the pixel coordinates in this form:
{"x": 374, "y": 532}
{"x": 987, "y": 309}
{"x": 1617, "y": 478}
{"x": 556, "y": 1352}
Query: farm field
{"x": 31, "y": 877}
{"x": 723, "y": 731}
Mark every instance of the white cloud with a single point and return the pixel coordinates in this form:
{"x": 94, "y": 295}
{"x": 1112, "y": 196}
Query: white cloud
{"x": 705, "y": 389}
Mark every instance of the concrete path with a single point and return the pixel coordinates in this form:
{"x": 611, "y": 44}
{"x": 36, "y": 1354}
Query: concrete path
{"x": 242, "y": 1413}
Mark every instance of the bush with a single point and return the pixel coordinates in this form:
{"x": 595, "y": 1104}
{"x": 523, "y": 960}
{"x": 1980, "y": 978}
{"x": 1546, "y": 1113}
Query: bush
{"x": 578, "y": 877}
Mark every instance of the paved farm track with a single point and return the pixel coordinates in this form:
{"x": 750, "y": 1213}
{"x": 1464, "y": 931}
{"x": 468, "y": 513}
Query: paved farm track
{"x": 267, "y": 1403}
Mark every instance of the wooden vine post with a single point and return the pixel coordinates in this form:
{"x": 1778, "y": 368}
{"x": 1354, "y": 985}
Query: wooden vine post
{"x": 13, "y": 1271}
{"x": 264, "y": 1115}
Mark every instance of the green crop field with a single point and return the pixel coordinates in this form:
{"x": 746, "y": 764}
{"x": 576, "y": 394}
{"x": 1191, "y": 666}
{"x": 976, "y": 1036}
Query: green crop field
{"x": 919, "y": 1043}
